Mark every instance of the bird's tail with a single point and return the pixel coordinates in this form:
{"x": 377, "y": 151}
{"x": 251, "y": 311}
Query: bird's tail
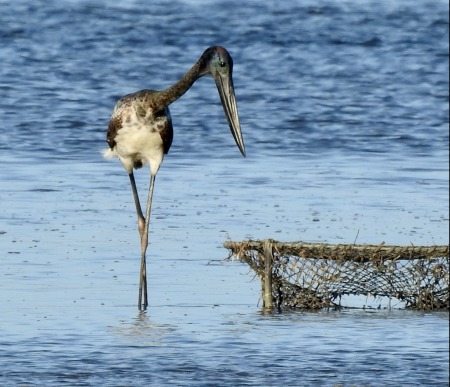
{"x": 109, "y": 153}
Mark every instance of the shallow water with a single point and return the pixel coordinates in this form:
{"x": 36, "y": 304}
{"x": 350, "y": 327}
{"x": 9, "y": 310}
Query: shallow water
{"x": 344, "y": 109}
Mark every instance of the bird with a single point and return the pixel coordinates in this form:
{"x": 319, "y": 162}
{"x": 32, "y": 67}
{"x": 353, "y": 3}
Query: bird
{"x": 140, "y": 132}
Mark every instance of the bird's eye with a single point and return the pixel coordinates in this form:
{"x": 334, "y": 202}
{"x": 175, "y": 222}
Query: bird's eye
{"x": 222, "y": 63}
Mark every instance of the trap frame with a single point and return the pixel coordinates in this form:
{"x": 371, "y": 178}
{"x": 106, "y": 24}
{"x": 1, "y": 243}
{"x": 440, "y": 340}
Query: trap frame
{"x": 315, "y": 275}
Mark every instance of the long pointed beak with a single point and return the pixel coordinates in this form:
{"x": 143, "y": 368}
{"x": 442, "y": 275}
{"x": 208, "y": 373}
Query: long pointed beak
{"x": 226, "y": 92}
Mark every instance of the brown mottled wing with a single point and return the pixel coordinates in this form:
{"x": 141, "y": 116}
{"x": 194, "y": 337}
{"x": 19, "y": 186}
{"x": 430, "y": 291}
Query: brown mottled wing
{"x": 166, "y": 129}
{"x": 115, "y": 123}
{"x": 168, "y": 137}
{"x": 143, "y": 103}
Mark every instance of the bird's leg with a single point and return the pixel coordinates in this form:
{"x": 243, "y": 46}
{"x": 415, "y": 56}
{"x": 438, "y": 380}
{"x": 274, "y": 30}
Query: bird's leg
{"x": 141, "y": 220}
{"x": 144, "y": 244}
{"x": 141, "y": 227}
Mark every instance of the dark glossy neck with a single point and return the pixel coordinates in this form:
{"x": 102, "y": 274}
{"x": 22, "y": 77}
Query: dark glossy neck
{"x": 172, "y": 93}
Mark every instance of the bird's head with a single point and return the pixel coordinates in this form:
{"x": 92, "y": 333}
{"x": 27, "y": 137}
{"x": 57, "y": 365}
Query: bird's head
{"x": 218, "y": 62}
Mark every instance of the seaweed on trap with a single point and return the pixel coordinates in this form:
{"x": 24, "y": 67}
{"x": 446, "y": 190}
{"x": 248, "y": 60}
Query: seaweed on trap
{"x": 314, "y": 275}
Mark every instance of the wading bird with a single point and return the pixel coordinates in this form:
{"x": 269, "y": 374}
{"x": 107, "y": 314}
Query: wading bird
{"x": 140, "y": 132}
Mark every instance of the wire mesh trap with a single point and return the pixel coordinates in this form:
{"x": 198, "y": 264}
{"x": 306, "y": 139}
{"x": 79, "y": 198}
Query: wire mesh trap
{"x": 315, "y": 276}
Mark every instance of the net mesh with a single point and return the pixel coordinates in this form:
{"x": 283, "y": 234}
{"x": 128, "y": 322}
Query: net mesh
{"x": 314, "y": 276}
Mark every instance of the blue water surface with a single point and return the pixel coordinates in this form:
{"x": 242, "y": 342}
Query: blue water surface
{"x": 344, "y": 109}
